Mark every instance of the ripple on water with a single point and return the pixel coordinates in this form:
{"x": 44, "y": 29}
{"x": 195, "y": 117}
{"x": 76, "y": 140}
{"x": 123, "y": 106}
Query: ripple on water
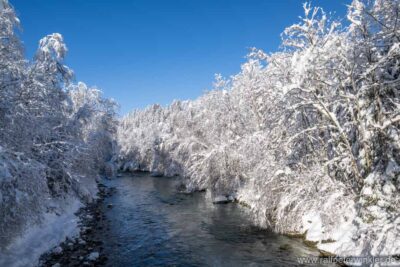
{"x": 154, "y": 225}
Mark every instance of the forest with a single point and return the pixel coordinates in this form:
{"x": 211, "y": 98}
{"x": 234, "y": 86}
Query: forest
{"x": 56, "y": 136}
{"x": 307, "y": 138}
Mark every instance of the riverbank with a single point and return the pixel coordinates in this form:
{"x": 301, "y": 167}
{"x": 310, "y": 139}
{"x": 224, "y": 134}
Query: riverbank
{"x": 148, "y": 221}
{"x": 86, "y": 249}
{"x": 139, "y": 219}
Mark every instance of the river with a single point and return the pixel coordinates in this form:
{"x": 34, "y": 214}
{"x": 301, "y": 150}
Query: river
{"x": 152, "y": 224}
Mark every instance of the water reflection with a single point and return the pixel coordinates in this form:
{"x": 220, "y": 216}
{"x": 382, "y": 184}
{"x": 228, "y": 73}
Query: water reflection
{"x": 154, "y": 225}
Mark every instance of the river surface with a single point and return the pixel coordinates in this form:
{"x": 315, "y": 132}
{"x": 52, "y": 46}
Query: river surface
{"x": 152, "y": 224}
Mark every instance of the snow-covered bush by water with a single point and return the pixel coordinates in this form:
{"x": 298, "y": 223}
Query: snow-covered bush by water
{"x": 55, "y": 136}
{"x": 307, "y": 137}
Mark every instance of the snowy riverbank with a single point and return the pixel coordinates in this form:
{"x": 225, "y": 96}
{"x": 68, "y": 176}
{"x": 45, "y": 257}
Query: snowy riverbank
{"x": 37, "y": 239}
{"x": 334, "y": 221}
{"x": 85, "y": 248}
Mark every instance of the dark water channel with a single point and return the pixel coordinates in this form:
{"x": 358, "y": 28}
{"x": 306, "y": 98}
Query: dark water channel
{"x": 152, "y": 224}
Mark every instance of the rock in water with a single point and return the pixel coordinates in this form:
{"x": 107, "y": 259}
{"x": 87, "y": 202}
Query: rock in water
{"x": 222, "y": 199}
{"x": 156, "y": 174}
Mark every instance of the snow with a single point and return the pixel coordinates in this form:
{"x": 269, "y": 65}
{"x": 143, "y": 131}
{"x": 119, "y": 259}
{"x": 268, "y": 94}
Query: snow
{"x": 223, "y": 199}
{"x": 299, "y": 136}
{"x": 57, "y": 250}
{"x": 93, "y": 256}
{"x": 389, "y": 188}
{"x": 342, "y": 235}
{"x": 68, "y": 144}
{"x": 313, "y": 225}
{"x": 26, "y": 250}
{"x": 296, "y": 135}
{"x": 367, "y": 191}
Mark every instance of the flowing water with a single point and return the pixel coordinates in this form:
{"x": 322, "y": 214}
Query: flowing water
{"x": 152, "y": 224}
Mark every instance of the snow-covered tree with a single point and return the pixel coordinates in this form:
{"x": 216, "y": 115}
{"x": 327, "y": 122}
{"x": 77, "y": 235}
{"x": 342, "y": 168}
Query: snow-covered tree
{"x": 55, "y": 137}
{"x": 297, "y": 134}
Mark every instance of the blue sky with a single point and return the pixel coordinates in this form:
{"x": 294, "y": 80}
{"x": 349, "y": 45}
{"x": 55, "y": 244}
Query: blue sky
{"x": 142, "y": 52}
